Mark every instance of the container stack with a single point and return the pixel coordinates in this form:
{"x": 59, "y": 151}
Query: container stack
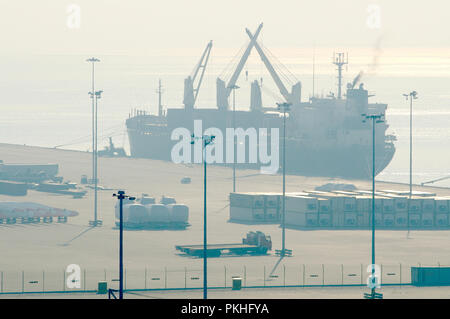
{"x": 255, "y": 207}
{"x": 441, "y": 212}
{"x": 343, "y": 209}
{"x": 302, "y": 211}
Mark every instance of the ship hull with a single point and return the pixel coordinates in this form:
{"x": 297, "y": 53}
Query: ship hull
{"x": 352, "y": 162}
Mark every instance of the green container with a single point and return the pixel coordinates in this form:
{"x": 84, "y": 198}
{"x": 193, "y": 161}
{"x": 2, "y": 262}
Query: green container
{"x": 237, "y": 283}
{"x": 102, "y": 288}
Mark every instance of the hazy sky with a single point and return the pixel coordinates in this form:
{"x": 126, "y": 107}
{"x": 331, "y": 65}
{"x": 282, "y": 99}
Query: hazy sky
{"x": 150, "y": 26}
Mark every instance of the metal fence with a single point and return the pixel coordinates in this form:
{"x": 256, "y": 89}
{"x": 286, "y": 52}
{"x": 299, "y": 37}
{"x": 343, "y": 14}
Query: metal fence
{"x": 219, "y": 276}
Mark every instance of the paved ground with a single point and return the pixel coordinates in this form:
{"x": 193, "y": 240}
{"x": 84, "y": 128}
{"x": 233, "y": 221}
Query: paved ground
{"x": 51, "y": 248}
{"x": 404, "y": 292}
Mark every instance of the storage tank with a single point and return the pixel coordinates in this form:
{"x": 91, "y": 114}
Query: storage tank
{"x": 178, "y": 213}
{"x": 158, "y": 213}
{"x": 133, "y": 213}
{"x": 146, "y": 200}
{"x": 136, "y": 214}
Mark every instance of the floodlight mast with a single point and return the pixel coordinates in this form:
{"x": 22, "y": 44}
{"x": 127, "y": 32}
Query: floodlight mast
{"x": 284, "y": 107}
{"x": 94, "y": 95}
{"x": 206, "y": 140}
{"x": 375, "y": 118}
{"x": 412, "y": 96}
{"x": 121, "y": 196}
{"x": 234, "y": 88}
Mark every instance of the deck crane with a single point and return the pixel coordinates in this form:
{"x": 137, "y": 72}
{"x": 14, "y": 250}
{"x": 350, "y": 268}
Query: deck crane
{"x": 191, "y": 94}
{"x": 224, "y": 90}
{"x": 295, "y": 95}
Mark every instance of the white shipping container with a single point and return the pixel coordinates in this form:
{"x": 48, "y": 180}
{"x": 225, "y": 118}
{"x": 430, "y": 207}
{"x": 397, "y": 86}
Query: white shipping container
{"x": 415, "y": 205}
{"x": 301, "y": 219}
{"x": 272, "y": 214}
{"x": 441, "y": 220}
{"x": 400, "y": 219}
{"x": 302, "y": 204}
{"x": 388, "y": 205}
{"x": 272, "y": 200}
{"x": 427, "y": 219}
{"x": 441, "y": 205}
{"x": 324, "y": 205}
{"x": 351, "y": 219}
{"x": 258, "y": 214}
{"x": 241, "y": 213}
{"x": 414, "y": 219}
{"x": 250, "y": 200}
{"x": 325, "y": 220}
{"x": 363, "y": 209}
{"x": 295, "y": 218}
{"x": 428, "y": 205}
{"x": 378, "y": 218}
{"x": 388, "y": 219}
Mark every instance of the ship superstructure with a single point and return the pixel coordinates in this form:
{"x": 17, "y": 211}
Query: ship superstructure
{"x": 325, "y": 136}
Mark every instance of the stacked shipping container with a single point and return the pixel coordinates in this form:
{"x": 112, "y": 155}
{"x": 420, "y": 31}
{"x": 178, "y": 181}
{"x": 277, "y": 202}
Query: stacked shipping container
{"x": 342, "y": 210}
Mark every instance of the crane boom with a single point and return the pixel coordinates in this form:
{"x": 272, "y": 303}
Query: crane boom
{"x": 201, "y": 65}
{"x": 244, "y": 58}
{"x": 271, "y": 70}
{"x": 190, "y": 94}
{"x": 223, "y": 89}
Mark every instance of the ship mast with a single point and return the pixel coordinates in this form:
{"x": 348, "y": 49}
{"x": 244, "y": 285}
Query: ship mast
{"x": 340, "y": 60}
{"x": 159, "y": 91}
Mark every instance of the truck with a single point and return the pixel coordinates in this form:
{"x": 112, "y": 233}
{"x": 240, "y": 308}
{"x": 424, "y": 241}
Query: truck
{"x": 255, "y": 243}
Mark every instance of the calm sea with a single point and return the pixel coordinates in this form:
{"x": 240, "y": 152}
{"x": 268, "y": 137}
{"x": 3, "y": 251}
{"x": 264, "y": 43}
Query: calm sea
{"x": 44, "y": 98}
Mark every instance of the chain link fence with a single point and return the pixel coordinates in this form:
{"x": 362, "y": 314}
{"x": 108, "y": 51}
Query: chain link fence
{"x": 219, "y": 276}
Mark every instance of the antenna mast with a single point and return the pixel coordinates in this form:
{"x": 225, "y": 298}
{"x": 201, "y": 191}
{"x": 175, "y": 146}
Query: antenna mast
{"x": 159, "y": 91}
{"x": 340, "y": 59}
{"x": 314, "y": 70}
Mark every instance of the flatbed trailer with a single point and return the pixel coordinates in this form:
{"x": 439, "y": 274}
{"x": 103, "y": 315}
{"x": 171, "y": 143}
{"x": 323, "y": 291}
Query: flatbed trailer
{"x": 256, "y": 243}
{"x": 216, "y": 250}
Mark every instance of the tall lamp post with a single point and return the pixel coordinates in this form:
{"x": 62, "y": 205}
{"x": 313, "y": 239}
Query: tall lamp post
{"x": 206, "y": 140}
{"x": 412, "y": 96}
{"x": 234, "y": 88}
{"x": 375, "y": 118}
{"x": 284, "y": 107}
{"x": 97, "y": 95}
{"x": 121, "y": 196}
{"x": 94, "y": 97}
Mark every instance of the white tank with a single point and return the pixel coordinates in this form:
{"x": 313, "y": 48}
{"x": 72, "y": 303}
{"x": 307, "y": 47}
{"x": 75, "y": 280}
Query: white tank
{"x": 133, "y": 213}
{"x": 146, "y": 200}
{"x": 178, "y": 213}
{"x": 136, "y": 214}
{"x": 158, "y": 213}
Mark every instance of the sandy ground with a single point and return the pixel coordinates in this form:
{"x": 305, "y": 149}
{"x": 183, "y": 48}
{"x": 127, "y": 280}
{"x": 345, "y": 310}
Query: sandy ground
{"x": 51, "y": 247}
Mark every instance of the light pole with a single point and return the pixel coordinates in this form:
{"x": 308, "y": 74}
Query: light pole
{"x": 234, "y": 88}
{"x": 376, "y": 118}
{"x": 94, "y": 96}
{"x": 96, "y": 221}
{"x": 284, "y": 107}
{"x": 206, "y": 140}
{"x": 412, "y": 96}
{"x": 121, "y": 196}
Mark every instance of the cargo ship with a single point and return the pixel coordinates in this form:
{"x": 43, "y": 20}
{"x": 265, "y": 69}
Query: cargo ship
{"x": 325, "y": 136}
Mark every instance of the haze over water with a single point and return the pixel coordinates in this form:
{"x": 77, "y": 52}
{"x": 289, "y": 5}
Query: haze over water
{"x": 45, "y": 79}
